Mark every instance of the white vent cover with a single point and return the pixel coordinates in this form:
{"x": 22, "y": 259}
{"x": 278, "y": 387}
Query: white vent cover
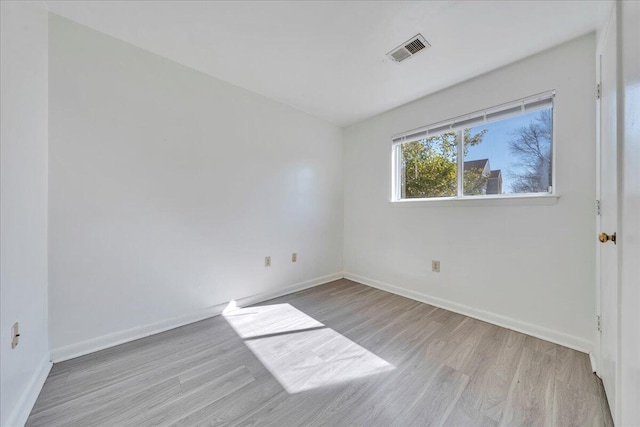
{"x": 409, "y": 48}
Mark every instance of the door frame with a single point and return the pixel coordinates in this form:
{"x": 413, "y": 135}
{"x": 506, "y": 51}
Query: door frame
{"x": 596, "y": 355}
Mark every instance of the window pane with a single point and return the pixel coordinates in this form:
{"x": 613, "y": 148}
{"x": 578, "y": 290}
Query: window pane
{"x": 509, "y": 156}
{"x": 429, "y": 167}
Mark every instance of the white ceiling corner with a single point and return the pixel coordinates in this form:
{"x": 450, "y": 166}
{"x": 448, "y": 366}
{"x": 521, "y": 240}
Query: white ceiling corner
{"x": 327, "y": 58}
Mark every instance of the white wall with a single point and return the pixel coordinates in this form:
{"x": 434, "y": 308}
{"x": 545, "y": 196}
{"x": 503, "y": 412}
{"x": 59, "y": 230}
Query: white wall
{"x": 529, "y": 267}
{"x": 629, "y": 231}
{"x": 169, "y": 187}
{"x": 23, "y": 212}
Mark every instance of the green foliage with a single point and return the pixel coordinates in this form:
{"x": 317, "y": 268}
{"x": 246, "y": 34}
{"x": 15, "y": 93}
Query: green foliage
{"x": 430, "y": 167}
{"x": 475, "y": 183}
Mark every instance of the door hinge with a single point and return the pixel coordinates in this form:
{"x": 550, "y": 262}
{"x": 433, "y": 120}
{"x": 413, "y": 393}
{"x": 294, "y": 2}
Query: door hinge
{"x": 599, "y": 323}
{"x": 598, "y": 207}
{"x": 598, "y": 90}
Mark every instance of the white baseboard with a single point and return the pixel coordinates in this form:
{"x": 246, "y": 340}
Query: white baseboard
{"x": 254, "y": 299}
{"x": 546, "y": 334}
{"x": 100, "y": 343}
{"x": 25, "y": 404}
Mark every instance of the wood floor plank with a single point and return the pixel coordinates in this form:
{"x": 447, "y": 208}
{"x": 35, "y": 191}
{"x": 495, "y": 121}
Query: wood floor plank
{"x": 530, "y": 399}
{"x": 189, "y": 402}
{"x": 574, "y": 407}
{"x": 332, "y": 355}
{"x": 486, "y": 388}
{"x": 105, "y": 410}
{"x": 604, "y": 405}
{"x": 493, "y": 399}
{"x": 436, "y": 401}
{"x": 574, "y": 369}
{"x": 244, "y": 400}
{"x": 390, "y": 394}
{"x": 466, "y": 416}
{"x": 129, "y": 381}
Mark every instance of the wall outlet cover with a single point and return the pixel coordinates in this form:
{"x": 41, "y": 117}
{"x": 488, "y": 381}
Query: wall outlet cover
{"x": 435, "y": 266}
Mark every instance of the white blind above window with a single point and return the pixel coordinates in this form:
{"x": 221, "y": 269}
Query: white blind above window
{"x": 530, "y": 104}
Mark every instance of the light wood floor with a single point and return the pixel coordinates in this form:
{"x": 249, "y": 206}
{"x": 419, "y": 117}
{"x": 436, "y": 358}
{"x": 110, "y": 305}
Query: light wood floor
{"x": 337, "y": 354}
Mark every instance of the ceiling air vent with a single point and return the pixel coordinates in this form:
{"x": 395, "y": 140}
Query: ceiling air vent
{"x": 409, "y": 48}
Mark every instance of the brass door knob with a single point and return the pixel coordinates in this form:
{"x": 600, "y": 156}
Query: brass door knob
{"x": 604, "y": 237}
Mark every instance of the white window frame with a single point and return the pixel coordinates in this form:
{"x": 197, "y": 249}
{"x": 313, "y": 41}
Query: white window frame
{"x": 458, "y": 124}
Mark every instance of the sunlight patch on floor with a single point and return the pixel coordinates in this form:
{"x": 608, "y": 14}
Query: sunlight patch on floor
{"x": 300, "y": 352}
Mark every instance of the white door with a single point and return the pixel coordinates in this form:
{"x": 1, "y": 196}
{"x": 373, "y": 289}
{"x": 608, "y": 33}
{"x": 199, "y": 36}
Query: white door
{"x": 608, "y": 188}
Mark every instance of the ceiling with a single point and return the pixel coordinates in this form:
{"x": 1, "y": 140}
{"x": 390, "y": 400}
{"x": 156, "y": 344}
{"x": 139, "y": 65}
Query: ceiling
{"x": 327, "y": 58}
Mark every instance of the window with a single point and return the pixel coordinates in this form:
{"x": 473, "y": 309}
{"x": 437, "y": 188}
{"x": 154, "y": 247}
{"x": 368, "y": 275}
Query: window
{"x": 502, "y": 151}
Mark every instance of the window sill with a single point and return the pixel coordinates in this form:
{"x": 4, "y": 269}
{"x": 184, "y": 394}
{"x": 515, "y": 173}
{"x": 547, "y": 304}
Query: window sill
{"x": 530, "y": 200}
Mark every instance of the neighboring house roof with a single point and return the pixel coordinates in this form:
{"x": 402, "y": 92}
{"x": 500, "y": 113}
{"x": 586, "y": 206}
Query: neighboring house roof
{"x": 481, "y": 165}
{"x": 494, "y": 183}
{"x": 476, "y": 164}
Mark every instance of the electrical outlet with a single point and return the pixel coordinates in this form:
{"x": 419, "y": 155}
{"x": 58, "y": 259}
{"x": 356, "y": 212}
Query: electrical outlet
{"x": 435, "y": 266}
{"x": 294, "y": 257}
{"x": 15, "y": 335}
{"x": 267, "y": 261}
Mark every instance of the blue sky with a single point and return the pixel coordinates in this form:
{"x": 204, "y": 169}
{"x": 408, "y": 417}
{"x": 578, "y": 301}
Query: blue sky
{"x": 495, "y": 145}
